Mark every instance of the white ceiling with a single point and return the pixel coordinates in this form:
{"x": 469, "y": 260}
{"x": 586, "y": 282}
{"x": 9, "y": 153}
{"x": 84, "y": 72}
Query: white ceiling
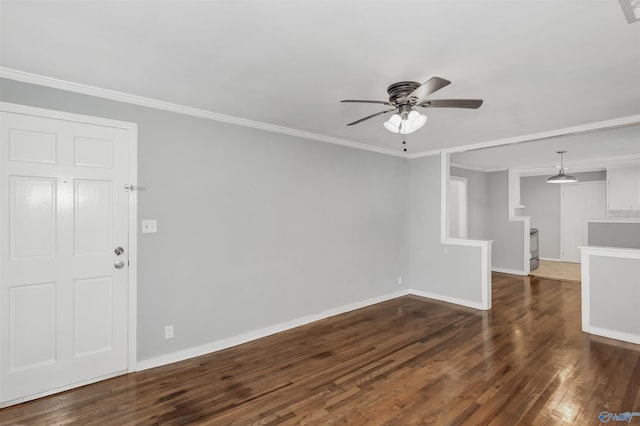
{"x": 539, "y": 65}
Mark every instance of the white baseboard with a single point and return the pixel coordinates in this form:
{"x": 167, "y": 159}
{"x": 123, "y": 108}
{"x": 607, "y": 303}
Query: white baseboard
{"x": 509, "y": 271}
{"x": 257, "y": 334}
{"x": 447, "y": 299}
{"x": 277, "y": 328}
{"x": 612, "y": 334}
{"x": 550, "y": 259}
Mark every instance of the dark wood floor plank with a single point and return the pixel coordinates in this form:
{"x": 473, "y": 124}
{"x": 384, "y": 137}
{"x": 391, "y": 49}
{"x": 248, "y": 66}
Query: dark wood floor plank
{"x": 403, "y": 362}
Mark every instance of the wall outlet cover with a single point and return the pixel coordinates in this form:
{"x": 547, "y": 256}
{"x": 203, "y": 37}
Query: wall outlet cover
{"x": 149, "y": 226}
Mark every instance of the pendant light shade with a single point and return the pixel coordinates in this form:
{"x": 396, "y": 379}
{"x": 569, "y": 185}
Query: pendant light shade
{"x": 561, "y": 177}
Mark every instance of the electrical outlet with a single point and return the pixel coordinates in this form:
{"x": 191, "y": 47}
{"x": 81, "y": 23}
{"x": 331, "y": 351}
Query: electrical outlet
{"x": 400, "y": 280}
{"x": 168, "y": 332}
{"x": 149, "y": 226}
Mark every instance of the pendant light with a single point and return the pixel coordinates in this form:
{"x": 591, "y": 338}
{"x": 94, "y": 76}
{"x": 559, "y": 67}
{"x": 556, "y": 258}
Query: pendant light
{"x": 561, "y": 177}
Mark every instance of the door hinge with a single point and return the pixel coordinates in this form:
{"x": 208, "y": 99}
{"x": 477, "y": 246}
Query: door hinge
{"x": 134, "y": 188}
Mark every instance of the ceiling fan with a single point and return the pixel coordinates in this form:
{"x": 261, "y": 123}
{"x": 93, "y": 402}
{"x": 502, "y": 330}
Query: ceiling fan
{"x": 405, "y": 96}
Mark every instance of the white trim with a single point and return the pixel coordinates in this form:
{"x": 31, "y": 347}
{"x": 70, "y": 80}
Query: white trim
{"x": 485, "y": 246}
{"x": 113, "y": 95}
{"x": 585, "y": 287}
{"x": 561, "y": 192}
{"x": 612, "y": 334}
{"x": 448, "y": 299}
{"x": 260, "y": 333}
{"x": 267, "y": 331}
{"x": 133, "y": 250}
{"x": 509, "y": 271}
{"x": 132, "y": 275}
{"x": 548, "y": 259}
{"x": 597, "y": 126}
{"x": 445, "y": 175}
{"x": 586, "y": 253}
{"x": 25, "y": 77}
{"x": 513, "y": 186}
{"x": 66, "y": 116}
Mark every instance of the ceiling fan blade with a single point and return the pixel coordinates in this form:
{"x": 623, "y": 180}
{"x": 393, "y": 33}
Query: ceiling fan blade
{"x": 452, "y": 103}
{"x": 428, "y": 87}
{"x": 370, "y": 116}
{"x": 366, "y": 102}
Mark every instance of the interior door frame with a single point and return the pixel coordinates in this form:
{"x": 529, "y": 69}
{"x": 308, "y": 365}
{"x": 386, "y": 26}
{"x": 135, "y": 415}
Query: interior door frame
{"x": 590, "y": 182}
{"x": 132, "y": 270}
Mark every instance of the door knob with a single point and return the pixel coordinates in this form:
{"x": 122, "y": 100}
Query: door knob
{"x": 118, "y": 251}
{"x": 119, "y": 264}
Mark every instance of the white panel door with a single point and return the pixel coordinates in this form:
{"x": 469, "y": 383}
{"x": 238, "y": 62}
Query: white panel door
{"x": 63, "y": 304}
{"x": 580, "y": 201}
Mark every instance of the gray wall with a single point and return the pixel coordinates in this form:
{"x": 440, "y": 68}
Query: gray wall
{"x": 255, "y": 228}
{"x": 488, "y": 199}
{"x": 614, "y": 296}
{"x": 542, "y": 201}
{"x": 477, "y": 202}
{"x": 626, "y": 235}
{"x": 450, "y": 271}
{"x": 507, "y": 236}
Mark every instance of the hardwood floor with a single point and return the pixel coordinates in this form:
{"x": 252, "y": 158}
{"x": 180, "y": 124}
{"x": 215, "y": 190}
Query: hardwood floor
{"x": 555, "y": 270}
{"x": 407, "y": 361}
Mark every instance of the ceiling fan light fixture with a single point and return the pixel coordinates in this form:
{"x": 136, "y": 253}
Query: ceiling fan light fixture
{"x": 415, "y": 120}
{"x": 393, "y": 123}
{"x": 561, "y": 177}
{"x": 631, "y": 9}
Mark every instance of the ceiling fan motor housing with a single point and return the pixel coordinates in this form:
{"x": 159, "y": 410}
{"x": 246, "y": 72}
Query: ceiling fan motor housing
{"x": 399, "y": 91}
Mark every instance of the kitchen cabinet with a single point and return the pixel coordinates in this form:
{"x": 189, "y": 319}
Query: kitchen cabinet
{"x": 623, "y": 189}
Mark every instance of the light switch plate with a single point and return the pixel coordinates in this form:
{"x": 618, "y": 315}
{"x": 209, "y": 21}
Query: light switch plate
{"x": 149, "y": 226}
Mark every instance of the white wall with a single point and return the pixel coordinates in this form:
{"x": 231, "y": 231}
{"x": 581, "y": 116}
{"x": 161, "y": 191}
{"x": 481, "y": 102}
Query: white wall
{"x": 254, "y": 228}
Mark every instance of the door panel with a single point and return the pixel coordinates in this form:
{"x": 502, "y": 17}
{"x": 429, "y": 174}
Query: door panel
{"x": 93, "y": 304}
{"x": 32, "y": 338}
{"x": 92, "y": 216}
{"x": 33, "y": 216}
{"x": 63, "y": 305}
{"x": 30, "y": 146}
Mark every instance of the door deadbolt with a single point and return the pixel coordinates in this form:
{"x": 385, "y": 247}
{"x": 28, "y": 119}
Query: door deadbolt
{"x": 118, "y": 251}
{"x": 119, "y": 264}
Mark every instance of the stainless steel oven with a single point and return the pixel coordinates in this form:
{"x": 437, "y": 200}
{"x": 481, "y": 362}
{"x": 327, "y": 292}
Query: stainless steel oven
{"x": 534, "y": 260}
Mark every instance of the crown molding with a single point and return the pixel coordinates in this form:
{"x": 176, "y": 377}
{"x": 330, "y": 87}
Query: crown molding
{"x": 25, "y": 77}
{"x": 616, "y": 123}
{"x": 113, "y": 95}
